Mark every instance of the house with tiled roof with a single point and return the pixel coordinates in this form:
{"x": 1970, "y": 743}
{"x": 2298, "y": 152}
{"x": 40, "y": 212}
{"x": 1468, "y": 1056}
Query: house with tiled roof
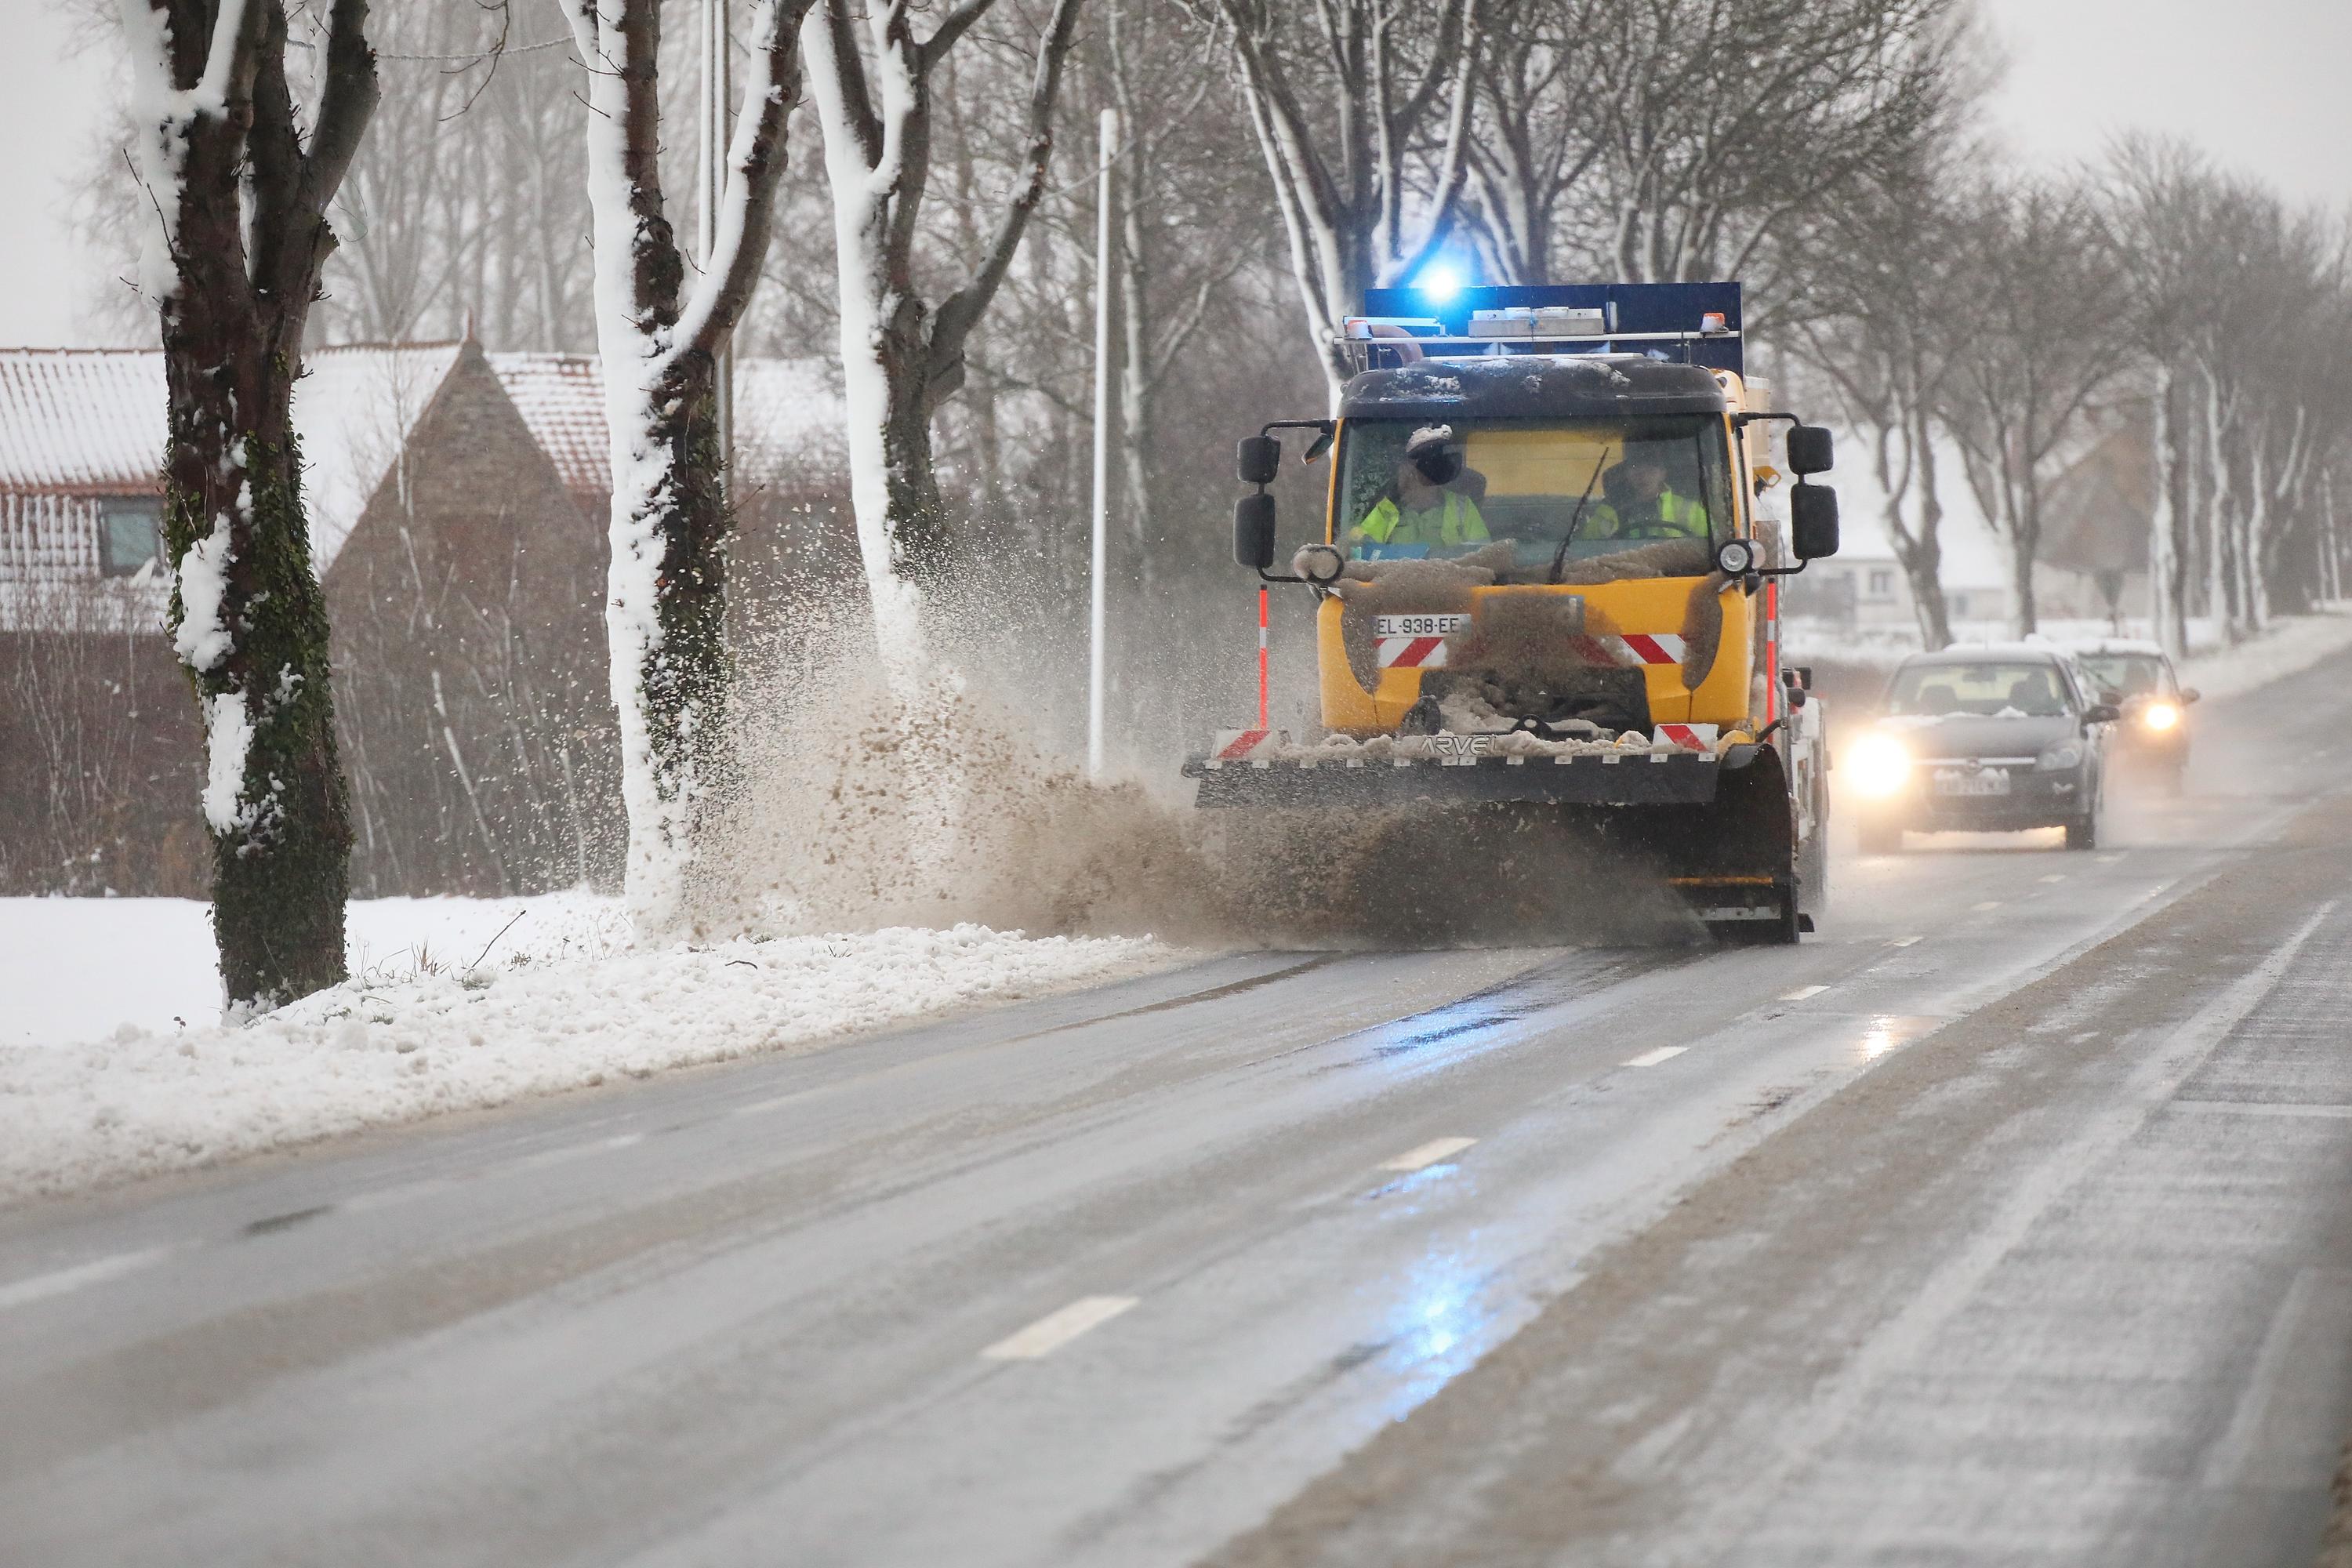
{"x": 463, "y": 589}
{"x": 456, "y": 501}
{"x": 788, "y": 425}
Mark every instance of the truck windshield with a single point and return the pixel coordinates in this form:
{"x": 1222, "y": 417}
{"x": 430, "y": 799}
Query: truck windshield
{"x": 1414, "y": 489}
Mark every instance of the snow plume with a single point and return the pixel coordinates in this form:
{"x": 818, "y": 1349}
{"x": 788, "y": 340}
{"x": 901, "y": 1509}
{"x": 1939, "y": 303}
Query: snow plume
{"x": 857, "y": 811}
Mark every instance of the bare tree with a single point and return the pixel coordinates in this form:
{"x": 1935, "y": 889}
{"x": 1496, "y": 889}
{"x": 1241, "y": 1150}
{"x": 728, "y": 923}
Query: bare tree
{"x": 660, "y": 342}
{"x": 238, "y": 177}
{"x": 900, "y": 357}
{"x": 1346, "y": 101}
{"x": 2043, "y": 337}
{"x": 1882, "y": 329}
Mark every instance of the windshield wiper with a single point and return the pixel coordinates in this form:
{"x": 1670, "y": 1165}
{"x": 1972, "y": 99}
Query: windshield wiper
{"x": 1559, "y": 558}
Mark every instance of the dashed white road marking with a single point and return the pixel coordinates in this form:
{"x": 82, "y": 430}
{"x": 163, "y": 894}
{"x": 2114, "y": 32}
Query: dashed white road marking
{"x": 1427, "y": 1155}
{"x": 573, "y": 1152}
{"x": 1651, "y": 1059}
{"x": 1903, "y": 942}
{"x": 1801, "y": 991}
{"x": 97, "y": 1271}
{"x": 2109, "y": 859}
{"x": 1987, "y": 904}
{"x": 1055, "y": 1330}
{"x": 2055, "y": 876}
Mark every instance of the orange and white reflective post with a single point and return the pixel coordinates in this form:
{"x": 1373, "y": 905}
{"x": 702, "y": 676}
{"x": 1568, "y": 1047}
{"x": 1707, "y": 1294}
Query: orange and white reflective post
{"x": 1265, "y": 657}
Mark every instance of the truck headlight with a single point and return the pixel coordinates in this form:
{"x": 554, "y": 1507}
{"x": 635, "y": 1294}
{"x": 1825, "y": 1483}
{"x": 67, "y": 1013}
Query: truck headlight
{"x": 1879, "y": 766}
{"x": 2059, "y": 758}
{"x": 2160, "y": 715}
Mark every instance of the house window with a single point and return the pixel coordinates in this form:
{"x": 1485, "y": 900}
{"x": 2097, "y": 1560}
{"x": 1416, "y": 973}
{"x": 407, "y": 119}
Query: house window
{"x": 1956, "y": 606}
{"x": 1881, "y": 584}
{"x": 129, "y": 532}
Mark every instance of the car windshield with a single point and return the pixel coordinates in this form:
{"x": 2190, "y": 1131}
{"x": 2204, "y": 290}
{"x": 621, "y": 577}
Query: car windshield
{"x": 2018, "y": 688}
{"x": 1413, "y": 488}
{"x": 2128, "y": 674}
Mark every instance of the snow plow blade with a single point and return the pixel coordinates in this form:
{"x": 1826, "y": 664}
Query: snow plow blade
{"x": 1633, "y": 778}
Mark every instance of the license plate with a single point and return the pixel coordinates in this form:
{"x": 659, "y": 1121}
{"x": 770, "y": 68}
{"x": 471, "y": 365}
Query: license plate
{"x": 1419, "y": 625}
{"x": 1990, "y": 781}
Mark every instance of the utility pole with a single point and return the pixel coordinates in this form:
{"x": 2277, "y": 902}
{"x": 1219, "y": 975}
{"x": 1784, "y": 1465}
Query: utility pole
{"x": 1099, "y": 594}
{"x": 711, "y": 191}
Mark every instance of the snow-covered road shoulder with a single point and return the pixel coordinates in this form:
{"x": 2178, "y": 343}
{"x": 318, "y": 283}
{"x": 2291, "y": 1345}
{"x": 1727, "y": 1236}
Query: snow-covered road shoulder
{"x": 378, "y": 1051}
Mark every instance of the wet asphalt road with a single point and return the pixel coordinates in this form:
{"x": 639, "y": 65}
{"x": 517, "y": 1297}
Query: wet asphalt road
{"x": 2003, "y": 1221}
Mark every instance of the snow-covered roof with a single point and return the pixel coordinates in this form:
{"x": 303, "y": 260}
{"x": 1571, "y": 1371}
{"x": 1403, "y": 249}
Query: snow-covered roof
{"x": 561, "y": 398}
{"x": 788, "y": 416}
{"x": 79, "y": 425}
{"x": 2139, "y": 645}
{"x": 80, "y": 421}
{"x": 1970, "y": 652}
{"x": 355, "y": 408}
{"x": 91, "y": 422}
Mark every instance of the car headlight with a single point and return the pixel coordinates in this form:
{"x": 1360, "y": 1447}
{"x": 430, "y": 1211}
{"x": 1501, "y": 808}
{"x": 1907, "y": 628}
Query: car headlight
{"x": 2160, "y": 715}
{"x": 2059, "y": 757}
{"x": 1880, "y": 765}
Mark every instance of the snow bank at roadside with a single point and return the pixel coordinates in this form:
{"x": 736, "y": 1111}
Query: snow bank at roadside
{"x": 384, "y": 1050}
{"x": 2292, "y": 644}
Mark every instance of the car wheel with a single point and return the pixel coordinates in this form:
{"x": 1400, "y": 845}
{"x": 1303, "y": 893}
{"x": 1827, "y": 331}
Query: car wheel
{"x": 2082, "y": 833}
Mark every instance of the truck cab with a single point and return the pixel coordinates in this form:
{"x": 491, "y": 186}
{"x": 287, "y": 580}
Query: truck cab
{"x": 1594, "y": 494}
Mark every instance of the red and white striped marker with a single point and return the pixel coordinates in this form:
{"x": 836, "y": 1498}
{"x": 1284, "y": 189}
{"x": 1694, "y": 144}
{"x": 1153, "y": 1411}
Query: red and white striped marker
{"x": 1697, "y": 737}
{"x": 1632, "y": 650}
{"x": 1412, "y": 653}
{"x": 1236, "y": 745}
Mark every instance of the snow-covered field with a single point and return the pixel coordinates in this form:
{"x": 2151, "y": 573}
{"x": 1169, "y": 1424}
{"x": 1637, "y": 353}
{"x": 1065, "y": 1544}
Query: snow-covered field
{"x": 431, "y": 1022}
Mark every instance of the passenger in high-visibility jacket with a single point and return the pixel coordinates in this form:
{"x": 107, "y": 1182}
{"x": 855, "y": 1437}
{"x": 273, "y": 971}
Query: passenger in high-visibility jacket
{"x": 1420, "y": 513}
{"x": 1643, "y": 506}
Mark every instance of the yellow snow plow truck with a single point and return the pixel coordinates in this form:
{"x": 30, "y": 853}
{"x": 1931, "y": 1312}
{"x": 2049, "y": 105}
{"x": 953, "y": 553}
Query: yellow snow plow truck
{"x": 1548, "y": 582}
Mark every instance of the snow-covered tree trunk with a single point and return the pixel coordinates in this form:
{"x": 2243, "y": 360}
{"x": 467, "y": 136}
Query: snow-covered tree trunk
{"x": 238, "y": 176}
{"x": 899, "y": 358}
{"x": 666, "y": 593}
{"x": 2220, "y": 503}
{"x": 2164, "y": 583}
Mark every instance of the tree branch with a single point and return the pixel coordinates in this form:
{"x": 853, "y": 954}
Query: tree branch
{"x": 961, "y": 309}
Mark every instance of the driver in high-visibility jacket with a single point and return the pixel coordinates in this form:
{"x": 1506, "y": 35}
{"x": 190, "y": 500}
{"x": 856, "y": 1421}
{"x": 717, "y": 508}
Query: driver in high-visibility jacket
{"x": 1420, "y": 513}
{"x": 1645, "y": 506}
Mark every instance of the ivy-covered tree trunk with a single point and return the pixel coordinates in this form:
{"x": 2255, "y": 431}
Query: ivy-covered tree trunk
{"x": 238, "y": 179}
{"x": 249, "y": 623}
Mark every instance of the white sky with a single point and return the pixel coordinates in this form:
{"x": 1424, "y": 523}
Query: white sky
{"x": 2259, "y": 83}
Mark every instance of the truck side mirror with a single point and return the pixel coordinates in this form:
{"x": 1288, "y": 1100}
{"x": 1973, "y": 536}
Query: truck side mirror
{"x": 1257, "y": 459}
{"x": 1814, "y": 521}
{"x": 1811, "y": 450}
{"x": 1253, "y": 529}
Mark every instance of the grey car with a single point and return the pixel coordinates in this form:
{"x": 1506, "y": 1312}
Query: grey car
{"x": 1992, "y": 738}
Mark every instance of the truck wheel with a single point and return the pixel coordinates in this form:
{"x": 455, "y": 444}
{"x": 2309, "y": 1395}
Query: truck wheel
{"x": 1881, "y": 837}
